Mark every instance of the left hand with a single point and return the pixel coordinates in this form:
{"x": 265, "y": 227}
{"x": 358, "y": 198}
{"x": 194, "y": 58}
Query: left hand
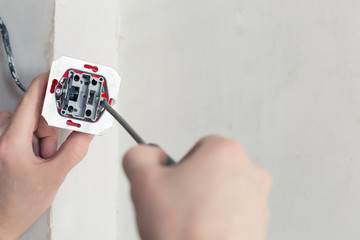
{"x": 31, "y": 168}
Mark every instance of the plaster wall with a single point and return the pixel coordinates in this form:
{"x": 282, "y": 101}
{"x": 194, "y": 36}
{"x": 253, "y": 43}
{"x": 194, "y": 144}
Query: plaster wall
{"x": 86, "y": 204}
{"x": 31, "y": 35}
{"x": 281, "y": 77}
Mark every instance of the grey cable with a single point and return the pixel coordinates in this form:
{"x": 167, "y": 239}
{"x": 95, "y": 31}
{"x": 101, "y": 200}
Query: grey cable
{"x": 104, "y": 104}
{"x": 8, "y": 50}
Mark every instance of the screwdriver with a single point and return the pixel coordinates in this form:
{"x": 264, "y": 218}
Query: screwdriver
{"x": 131, "y": 131}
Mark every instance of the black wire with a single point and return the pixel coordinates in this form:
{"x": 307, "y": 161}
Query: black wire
{"x": 6, "y": 40}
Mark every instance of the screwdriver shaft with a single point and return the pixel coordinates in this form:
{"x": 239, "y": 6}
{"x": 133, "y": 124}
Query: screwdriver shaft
{"x": 123, "y": 123}
{"x": 131, "y": 131}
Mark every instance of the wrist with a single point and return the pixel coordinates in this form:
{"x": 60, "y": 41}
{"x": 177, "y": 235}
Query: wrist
{"x": 8, "y": 229}
{"x": 12, "y": 222}
{"x": 7, "y": 235}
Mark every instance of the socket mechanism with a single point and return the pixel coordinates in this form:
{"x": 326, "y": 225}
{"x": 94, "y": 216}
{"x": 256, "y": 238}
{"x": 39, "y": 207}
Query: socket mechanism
{"x": 78, "y": 95}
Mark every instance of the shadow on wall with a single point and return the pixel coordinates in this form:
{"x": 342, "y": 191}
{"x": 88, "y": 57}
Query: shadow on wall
{"x": 31, "y": 35}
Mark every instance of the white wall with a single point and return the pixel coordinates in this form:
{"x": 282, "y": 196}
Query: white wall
{"x": 282, "y": 77}
{"x": 85, "y": 206}
{"x": 30, "y": 29}
{"x": 25, "y": 23}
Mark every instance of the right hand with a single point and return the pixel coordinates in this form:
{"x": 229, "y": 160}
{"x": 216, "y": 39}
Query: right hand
{"x": 215, "y": 192}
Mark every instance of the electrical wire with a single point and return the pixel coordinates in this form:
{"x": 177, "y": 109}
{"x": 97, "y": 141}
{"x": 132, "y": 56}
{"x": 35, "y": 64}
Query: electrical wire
{"x": 7, "y": 45}
{"x": 104, "y": 104}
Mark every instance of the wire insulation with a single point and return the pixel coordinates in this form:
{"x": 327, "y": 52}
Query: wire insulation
{"x": 8, "y": 50}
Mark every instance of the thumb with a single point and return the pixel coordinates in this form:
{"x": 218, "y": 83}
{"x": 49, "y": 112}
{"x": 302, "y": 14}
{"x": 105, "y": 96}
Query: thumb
{"x": 143, "y": 159}
{"x": 72, "y": 151}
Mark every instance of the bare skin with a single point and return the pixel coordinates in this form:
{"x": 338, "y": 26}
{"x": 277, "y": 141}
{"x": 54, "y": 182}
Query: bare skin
{"x": 31, "y": 167}
{"x": 215, "y": 192}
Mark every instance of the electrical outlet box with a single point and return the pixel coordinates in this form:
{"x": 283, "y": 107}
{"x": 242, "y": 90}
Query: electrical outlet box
{"x": 74, "y": 92}
{"x": 78, "y": 95}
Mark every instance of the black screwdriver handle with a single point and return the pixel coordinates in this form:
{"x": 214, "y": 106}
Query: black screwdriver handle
{"x": 169, "y": 160}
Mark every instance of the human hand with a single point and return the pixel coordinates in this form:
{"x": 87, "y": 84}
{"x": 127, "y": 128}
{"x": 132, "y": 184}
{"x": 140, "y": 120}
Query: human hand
{"x": 31, "y": 168}
{"x": 215, "y": 192}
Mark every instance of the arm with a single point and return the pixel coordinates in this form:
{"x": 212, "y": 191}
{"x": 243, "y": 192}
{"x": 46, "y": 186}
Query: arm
{"x": 31, "y": 168}
{"x": 215, "y": 192}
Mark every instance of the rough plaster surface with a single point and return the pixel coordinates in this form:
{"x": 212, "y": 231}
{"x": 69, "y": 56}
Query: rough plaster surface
{"x": 86, "y": 204}
{"x": 31, "y": 30}
{"x": 282, "y": 77}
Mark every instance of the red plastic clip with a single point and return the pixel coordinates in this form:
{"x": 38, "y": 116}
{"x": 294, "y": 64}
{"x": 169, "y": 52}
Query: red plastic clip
{"x": 71, "y": 123}
{"x": 53, "y": 85}
{"x": 93, "y": 68}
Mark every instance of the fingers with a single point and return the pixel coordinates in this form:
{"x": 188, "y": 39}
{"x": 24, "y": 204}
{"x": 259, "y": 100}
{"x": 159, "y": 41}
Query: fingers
{"x": 27, "y": 113}
{"x": 140, "y": 160}
{"x": 214, "y": 147}
{"x": 48, "y": 139}
{"x": 36, "y": 146}
{"x": 264, "y": 180}
{"x": 228, "y": 153}
{"x": 224, "y": 153}
{"x": 4, "y": 120}
{"x": 4, "y": 117}
{"x": 72, "y": 151}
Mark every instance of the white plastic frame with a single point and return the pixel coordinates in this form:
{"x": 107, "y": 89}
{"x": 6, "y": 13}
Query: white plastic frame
{"x": 50, "y": 112}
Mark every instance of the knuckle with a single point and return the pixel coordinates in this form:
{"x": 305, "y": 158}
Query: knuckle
{"x": 132, "y": 151}
{"x": 224, "y": 149}
{"x": 223, "y": 144}
{"x": 75, "y": 156}
{"x": 42, "y": 77}
{"x": 73, "y": 159}
{"x": 5, "y": 115}
{"x": 38, "y": 79}
{"x": 142, "y": 184}
{"x": 210, "y": 138}
{"x": 129, "y": 155}
{"x": 143, "y": 179}
{"x": 231, "y": 149}
{"x": 79, "y": 153}
{"x": 25, "y": 101}
{"x": 265, "y": 178}
{"x": 5, "y": 149}
{"x": 268, "y": 179}
{"x": 82, "y": 146}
